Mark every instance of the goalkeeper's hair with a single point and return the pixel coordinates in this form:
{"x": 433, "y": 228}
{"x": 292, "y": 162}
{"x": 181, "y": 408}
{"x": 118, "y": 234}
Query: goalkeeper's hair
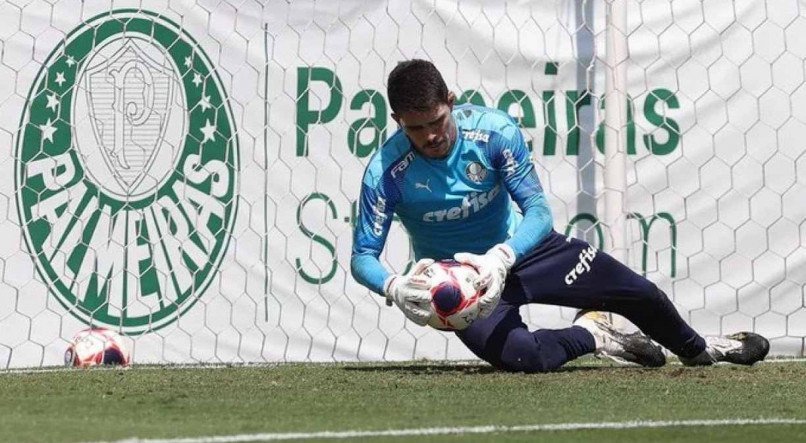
{"x": 415, "y": 85}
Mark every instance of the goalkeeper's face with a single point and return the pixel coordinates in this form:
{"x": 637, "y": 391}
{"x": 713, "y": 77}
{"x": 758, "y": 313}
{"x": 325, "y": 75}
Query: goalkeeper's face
{"x": 432, "y": 132}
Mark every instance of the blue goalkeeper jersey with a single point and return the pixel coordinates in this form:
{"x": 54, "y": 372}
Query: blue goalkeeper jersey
{"x": 461, "y": 203}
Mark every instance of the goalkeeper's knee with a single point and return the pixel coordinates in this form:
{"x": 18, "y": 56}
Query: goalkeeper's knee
{"x": 522, "y": 353}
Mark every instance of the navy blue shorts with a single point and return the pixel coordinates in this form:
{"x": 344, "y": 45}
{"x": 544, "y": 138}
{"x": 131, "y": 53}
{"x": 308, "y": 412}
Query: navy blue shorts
{"x": 565, "y": 271}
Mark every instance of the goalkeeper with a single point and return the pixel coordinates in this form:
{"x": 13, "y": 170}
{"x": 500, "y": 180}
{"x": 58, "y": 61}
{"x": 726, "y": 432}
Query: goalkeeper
{"x": 451, "y": 174}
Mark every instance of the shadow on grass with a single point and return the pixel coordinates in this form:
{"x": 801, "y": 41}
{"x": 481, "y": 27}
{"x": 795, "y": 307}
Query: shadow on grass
{"x": 447, "y": 368}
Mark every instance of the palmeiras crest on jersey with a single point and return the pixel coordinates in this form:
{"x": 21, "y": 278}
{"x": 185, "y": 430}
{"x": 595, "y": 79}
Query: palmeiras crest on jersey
{"x": 126, "y": 171}
{"x": 476, "y": 172}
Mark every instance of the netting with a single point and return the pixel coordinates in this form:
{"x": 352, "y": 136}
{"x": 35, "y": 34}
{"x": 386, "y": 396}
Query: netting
{"x": 186, "y": 173}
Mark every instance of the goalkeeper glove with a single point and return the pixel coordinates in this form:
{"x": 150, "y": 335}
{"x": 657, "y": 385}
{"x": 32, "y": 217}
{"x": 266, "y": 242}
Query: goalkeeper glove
{"x": 411, "y": 293}
{"x": 493, "y": 267}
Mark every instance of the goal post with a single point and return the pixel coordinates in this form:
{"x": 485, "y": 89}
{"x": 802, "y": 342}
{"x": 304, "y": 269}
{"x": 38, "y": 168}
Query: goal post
{"x": 187, "y": 173}
{"x": 615, "y": 155}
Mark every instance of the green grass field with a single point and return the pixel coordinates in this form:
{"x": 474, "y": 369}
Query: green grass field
{"x": 244, "y": 402}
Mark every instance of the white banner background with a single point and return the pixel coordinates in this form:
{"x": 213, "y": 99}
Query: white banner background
{"x": 729, "y": 75}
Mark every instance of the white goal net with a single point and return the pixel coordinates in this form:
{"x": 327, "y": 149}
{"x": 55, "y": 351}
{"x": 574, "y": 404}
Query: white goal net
{"x": 186, "y": 172}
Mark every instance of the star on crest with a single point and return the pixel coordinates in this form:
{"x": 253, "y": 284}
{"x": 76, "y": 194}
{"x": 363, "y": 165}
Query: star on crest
{"x": 204, "y": 102}
{"x": 209, "y": 131}
{"x": 188, "y": 62}
{"x": 70, "y": 61}
{"x": 47, "y": 131}
{"x": 197, "y": 79}
{"x": 60, "y": 78}
{"x": 53, "y": 102}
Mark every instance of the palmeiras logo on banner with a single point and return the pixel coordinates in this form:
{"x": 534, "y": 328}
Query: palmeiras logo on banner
{"x": 127, "y": 164}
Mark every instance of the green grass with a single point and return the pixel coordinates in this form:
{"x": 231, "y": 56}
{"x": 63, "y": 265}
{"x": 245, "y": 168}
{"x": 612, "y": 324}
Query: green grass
{"x": 91, "y": 405}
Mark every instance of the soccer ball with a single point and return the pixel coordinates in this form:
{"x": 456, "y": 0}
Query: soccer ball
{"x": 96, "y": 346}
{"x": 454, "y": 299}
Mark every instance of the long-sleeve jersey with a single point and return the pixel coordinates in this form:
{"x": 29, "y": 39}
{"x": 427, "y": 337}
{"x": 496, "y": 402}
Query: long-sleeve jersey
{"x": 461, "y": 203}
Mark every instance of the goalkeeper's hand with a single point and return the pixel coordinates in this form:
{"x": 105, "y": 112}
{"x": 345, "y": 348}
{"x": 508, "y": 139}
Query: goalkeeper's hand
{"x": 411, "y": 293}
{"x": 493, "y": 267}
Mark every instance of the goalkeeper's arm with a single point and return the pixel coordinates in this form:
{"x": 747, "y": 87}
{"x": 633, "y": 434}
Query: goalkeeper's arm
{"x": 521, "y": 181}
{"x": 411, "y": 293}
{"x": 375, "y": 212}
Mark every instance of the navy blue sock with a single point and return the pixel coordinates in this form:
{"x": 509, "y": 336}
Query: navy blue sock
{"x": 559, "y": 346}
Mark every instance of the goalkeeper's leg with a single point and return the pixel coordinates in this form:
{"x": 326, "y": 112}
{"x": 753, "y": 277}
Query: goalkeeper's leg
{"x": 504, "y": 341}
{"x": 569, "y": 272}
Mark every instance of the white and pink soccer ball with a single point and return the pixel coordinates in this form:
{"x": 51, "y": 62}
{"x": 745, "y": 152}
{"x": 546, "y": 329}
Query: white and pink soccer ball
{"x": 454, "y": 299}
{"x": 94, "y": 347}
